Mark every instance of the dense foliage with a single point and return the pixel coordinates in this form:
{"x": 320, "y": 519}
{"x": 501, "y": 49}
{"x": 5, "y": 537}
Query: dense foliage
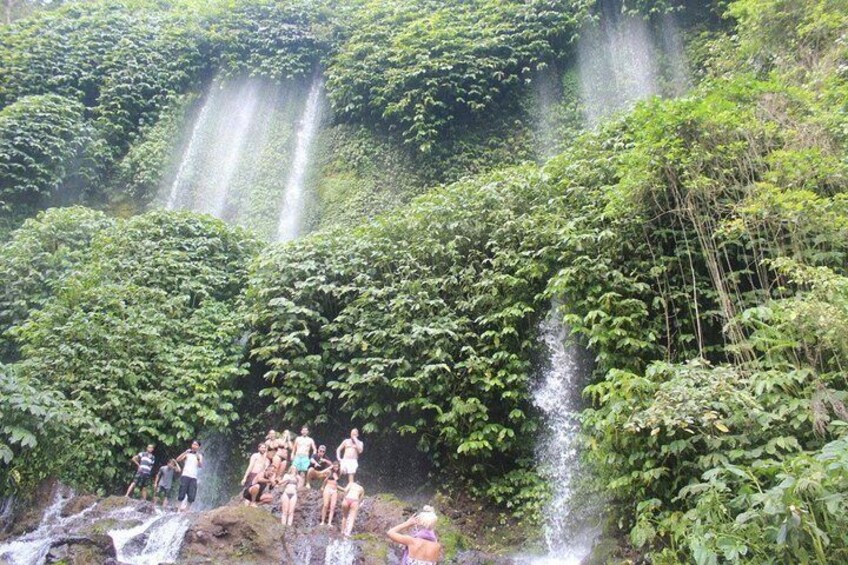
{"x": 697, "y": 246}
{"x": 427, "y": 68}
{"x": 139, "y": 328}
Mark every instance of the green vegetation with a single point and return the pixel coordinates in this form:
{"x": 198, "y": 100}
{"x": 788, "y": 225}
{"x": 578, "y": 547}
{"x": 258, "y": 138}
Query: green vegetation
{"x": 142, "y": 333}
{"x": 697, "y": 246}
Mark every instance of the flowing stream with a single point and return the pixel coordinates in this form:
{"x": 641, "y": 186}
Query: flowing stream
{"x": 340, "y": 552}
{"x": 568, "y": 531}
{"x": 291, "y": 211}
{"x": 155, "y": 540}
{"x": 32, "y": 548}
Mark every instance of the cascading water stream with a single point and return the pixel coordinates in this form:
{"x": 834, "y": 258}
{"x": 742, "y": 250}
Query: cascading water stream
{"x": 227, "y": 156}
{"x": 340, "y": 552}
{"x": 156, "y": 540}
{"x": 618, "y": 62}
{"x": 291, "y": 211}
{"x": 568, "y": 535}
{"x": 186, "y": 169}
{"x": 32, "y": 548}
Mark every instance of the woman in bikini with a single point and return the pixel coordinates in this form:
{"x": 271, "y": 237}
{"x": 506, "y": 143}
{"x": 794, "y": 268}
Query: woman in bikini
{"x": 354, "y": 493}
{"x": 422, "y": 545}
{"x": 330, "y": 491}
{"x": 288, "y": 500}
{"x": 281, "y": 455}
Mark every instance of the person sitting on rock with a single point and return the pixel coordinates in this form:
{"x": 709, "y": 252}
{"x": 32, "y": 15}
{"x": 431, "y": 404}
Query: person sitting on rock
{"x": 259, "y": 489}
{"x": 304, "y": 447}
{"x": 422, "y": 545}
{"x": 330, "y": 493}
{"x": 256, "y": 466}
{"x": 354, "y": 493}
{"x": 144, "y": 462}
{"x": 348, "y": 453}
{"x": 288, "y": 500}
{"x": 164, "y": 480}
{"x": 319, "y": 466}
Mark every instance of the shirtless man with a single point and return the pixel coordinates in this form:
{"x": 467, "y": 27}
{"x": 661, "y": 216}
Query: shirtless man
{"x": 319, "y": 466}
{"x": 352, "y": 448}
{"x": 304, "y": 447}
{"x": 256, "y": 466}
{"x": 354, "y": 493}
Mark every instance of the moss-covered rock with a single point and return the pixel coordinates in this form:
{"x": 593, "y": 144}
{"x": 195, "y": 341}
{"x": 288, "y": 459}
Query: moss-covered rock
{"x": 233, "y": 534}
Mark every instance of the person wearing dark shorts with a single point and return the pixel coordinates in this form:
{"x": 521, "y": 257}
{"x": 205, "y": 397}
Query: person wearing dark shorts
{"x": 164, "y": 480}
{"x": 259, "y": 489}
{"x": 192, "y": 460}
{"x": 144, "y": 462}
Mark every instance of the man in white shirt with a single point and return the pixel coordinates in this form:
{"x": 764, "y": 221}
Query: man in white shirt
{"x": 191, "y": 460}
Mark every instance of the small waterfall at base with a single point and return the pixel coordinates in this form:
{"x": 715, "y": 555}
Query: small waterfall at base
{"x": 289, "y": 224}
{"x": 340, "y": 552}
{"x": 32, "y": 548}
{"x": 568, "y": 534}
{"x": 156, "y": 540}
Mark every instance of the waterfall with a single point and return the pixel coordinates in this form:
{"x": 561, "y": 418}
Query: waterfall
{"x": 568, "y": 535}
{"x": 619, "y": 62}
{"x": 291, "y": 211}
{"x": 340, "y": 552}
{"x": 32, "y": 548}
{"x": 189, "y": 159}
{"x": 246, "y": 155}
{"x": 156, "y": 540}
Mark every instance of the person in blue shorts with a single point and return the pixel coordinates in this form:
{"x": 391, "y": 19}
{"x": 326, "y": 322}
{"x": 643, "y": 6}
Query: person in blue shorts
{"x": 304, "y": 447}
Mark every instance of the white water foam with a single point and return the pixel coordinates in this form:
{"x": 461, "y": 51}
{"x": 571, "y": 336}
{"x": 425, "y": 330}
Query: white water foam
{"x": 32, "y": 548}
{"x": 156, "y": 540}
{"x": 291, "y": 211}
{"x": 568, "y": 538}
{"x": 340, "y": 552}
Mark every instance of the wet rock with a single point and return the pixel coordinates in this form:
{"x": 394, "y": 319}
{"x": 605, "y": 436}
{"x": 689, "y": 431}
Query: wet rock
{"x": 232, "y": 534}
{"x": 81, "y": 550}
{"x": 77, "y": 504}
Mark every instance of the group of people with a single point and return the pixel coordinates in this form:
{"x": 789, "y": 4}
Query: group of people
{"x": 187, "y": 464}
{"x": 290, "y": 464}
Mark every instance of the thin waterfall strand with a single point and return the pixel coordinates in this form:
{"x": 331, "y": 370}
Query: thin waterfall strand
{"x": 291, "y": 212}
{"x": 568, "y": 540}
{"x": 186, "y": 169}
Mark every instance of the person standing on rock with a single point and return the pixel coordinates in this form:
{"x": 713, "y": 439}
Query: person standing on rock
{"x": 422, "y": 545}
{"x": 192, "y": 461}
{"x": 288, "y": 500}
{"x": 144, "y": 462}
{"x": 164, "y": 480}
{"x": 330, "y": 493}
{"x": 348, "y": 454}
{"x": 304, "y": 447}
{"x": 256, "y": 466}
{"x": 280, "y": 459}
{"x": 354, "y": 493}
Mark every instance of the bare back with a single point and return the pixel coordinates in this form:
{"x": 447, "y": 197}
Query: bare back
{"x": 425, "y": 550}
